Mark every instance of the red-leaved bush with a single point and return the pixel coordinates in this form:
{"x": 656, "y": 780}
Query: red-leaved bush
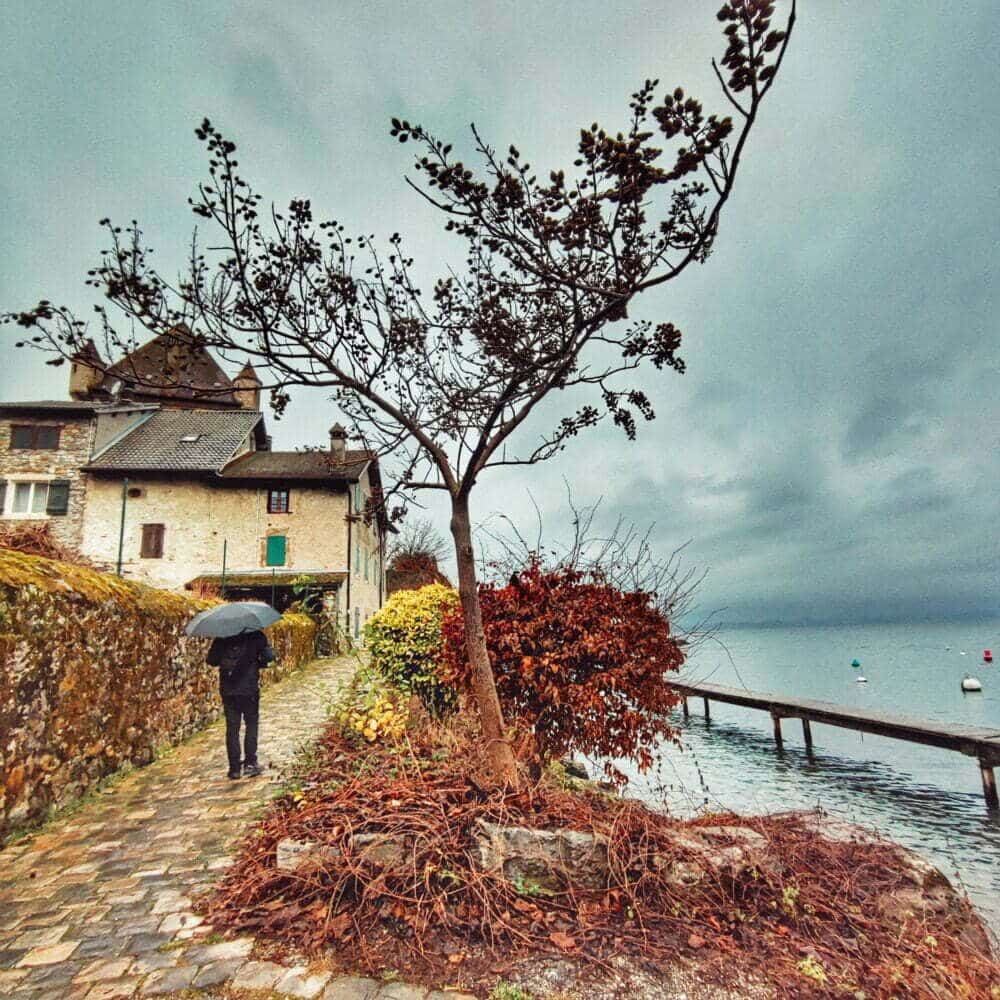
{"x": 578, "y": 664}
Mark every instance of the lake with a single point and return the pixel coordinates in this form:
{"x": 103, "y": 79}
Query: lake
{"x": 928, "y": 799}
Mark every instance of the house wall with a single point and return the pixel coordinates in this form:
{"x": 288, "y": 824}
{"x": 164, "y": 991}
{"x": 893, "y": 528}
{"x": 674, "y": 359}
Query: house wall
{"x": 366, "y": 588}
{"x": 62, "y": 463}
{"x": 199, "y": 516}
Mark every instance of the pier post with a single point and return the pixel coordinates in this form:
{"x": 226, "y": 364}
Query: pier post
{"x": 807, "y": 733}
{"x": 687, "y": 711}
{"x": 777, "y": 729}
{"x": 707, "y": 714}
{"x": 989, "y": 786}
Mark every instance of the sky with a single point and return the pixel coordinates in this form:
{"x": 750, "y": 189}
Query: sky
{"x": 831, "y": 453}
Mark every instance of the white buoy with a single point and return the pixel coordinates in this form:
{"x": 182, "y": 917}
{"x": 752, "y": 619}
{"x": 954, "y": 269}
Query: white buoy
{"x": 971, "y": 683}
{"x": 861, "y": 680}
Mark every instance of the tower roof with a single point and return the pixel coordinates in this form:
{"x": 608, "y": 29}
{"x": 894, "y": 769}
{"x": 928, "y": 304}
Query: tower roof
{"x": 172, "y": 366}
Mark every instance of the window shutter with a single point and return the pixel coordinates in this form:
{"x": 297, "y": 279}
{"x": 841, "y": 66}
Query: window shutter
{"x": 275, "y": 555}
{"x": 58, "y": 503}
{"x": 152, "y": 541}
{"x": 22, "y": 436}
{"x": 3, "y": 496}
{"x": 47, "y": 438}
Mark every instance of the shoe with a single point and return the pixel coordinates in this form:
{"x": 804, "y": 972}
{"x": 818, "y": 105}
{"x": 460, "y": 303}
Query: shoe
{"x": 233, "y": 775}
{"x": 252, "y": 770}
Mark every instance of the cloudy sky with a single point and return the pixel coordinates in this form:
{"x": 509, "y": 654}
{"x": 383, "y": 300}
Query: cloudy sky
{"x": 832, "y": 452}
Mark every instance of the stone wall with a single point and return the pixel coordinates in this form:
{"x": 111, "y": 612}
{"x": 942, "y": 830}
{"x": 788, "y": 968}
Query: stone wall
{"x": 95, "y": 673}
{"x": 64, "y": 462}
{"x": 198, "y": 516}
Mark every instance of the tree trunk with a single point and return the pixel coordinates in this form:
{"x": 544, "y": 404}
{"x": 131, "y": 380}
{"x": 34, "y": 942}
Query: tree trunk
{"x": 499, "y": 756}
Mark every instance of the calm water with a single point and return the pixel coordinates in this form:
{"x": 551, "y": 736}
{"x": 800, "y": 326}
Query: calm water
{"x": 927, "y": 799}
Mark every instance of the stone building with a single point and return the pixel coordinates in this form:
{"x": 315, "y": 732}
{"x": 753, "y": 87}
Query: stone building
{"x": 160, "y": 467}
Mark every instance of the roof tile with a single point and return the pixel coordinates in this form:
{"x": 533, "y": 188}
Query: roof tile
{"x": 156, "y": 444}
{"x": 297, "y": 465}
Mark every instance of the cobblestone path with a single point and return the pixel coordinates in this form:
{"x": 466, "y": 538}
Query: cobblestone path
{"x": 97, "y": 906}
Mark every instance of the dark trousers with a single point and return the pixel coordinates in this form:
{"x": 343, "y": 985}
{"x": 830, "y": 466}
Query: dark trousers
{"x": 245, "y": 707}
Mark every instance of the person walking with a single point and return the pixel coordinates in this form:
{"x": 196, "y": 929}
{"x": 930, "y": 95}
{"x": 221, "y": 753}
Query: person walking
{"x": 240, "y": 659}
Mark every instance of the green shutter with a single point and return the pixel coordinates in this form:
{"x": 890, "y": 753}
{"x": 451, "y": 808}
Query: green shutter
{"x": 3, "y": 496}
{"x": 366, "y": 564}
{"x": 357, "y": 558}
{"x": 275, "y": 550}
{"x": 58, "y": 502}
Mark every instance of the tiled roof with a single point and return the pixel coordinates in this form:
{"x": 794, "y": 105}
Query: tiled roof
{"x": 53, "y": 406}
{"x": 157, "y": 443}
{"x": 177, "y": 367}
{"x": 297, "y": 465}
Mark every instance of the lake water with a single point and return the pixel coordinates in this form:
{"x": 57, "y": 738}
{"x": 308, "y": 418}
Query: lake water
{"x": 928, "y": 799}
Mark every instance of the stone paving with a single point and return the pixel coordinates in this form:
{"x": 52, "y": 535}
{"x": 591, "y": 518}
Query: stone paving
{"x": 97, "y": 905}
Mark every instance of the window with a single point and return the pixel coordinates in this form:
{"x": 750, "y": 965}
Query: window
{"x": 35, "y": 499}
{"x": 277, "y": 501}
{"x": 152, "y": 541}
{"x": 275, "y": 550}
{"x": 29, "y": 498}
{"x": 34, "y": 437}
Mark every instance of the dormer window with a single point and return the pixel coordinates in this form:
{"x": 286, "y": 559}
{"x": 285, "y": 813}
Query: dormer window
{"x": 190, "y": 438}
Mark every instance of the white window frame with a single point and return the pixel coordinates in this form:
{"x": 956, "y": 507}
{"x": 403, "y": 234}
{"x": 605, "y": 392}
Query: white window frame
{"x": 8, "y": 505}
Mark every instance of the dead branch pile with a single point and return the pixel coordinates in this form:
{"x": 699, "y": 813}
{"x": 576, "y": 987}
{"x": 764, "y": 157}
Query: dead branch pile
{"x": 37, "y": 540}
{"x": 809, "y": 920}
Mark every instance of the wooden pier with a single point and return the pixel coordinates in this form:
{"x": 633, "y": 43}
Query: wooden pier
{"x": 983, "y": 744}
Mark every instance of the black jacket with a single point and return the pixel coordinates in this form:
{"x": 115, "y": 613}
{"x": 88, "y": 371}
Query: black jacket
{"x": 239, "y": 659}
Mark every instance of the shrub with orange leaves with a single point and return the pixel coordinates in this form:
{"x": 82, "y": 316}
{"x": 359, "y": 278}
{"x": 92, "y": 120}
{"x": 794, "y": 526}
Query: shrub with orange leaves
{"x": 578, "y": 663}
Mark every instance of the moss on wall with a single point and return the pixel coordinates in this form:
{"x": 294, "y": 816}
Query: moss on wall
{"x": 96, "y": 673}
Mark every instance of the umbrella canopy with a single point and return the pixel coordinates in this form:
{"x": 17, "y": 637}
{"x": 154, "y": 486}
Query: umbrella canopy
{"x": 232, "y": 619}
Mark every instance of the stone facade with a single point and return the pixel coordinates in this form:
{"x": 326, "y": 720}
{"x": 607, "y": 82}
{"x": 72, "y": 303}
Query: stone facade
{"x": 367, "y": 560}
{"x": 45, "y": 466}
{"x": 199, "y": 516}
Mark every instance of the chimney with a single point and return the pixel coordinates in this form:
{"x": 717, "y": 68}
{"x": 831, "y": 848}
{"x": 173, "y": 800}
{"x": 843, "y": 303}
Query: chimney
{"x": 84, "y": 371}
{"x": 338, "y": 443}
{"x": 247, "y": 388}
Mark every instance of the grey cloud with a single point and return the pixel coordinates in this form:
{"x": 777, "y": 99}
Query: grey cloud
{"x": 831, "y": 451}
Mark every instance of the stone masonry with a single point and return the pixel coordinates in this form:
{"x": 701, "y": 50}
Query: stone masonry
{"x": 64, "y": 462}
{"x": 99, "y": 905}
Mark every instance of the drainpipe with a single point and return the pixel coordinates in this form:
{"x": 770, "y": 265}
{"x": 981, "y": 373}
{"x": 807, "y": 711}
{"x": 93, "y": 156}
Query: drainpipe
{"x": 121, "y": 526}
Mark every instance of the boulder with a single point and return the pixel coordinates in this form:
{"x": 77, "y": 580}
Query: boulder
{"x": 545, "y": 859}
{"x": 923, "y": 891}
{"x": 381, "y": 850}
{"x": 575, "y": 769}
{"x": 293, "y": 854}
{"x": 715, "y": 850}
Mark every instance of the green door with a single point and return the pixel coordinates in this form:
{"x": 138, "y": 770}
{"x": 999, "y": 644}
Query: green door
{"x": 276, "y": 550}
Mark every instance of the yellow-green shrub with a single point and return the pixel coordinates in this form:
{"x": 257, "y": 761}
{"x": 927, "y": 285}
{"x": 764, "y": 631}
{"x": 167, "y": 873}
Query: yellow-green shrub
{"x": 371, "y": 710}
{"x": 405, "y": 643}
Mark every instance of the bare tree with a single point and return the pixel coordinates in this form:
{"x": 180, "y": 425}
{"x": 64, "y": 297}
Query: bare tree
{"x": 418, "y": 539}
{"x": 444, "y": 382}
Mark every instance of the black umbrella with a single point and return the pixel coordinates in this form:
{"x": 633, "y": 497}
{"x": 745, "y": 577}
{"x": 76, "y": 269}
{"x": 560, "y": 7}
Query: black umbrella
{"x": 232, "y": 619}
